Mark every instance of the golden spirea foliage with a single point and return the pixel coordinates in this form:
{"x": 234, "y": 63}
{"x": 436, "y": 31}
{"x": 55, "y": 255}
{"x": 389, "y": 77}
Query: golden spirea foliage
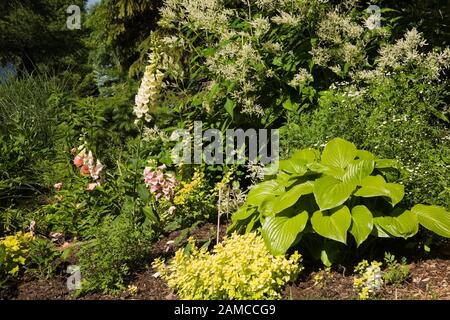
{"x": 13, "y": 251}
{"x": 238, "y": 268}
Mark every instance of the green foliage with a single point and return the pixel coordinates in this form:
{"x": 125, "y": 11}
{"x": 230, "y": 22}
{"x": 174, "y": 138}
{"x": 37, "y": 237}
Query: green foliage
{"x": 229, "y": 273}
{"x": 428, "y": 16}
{"x": 344, "y": 191}
{"x": 13, "y": 220}
{"x": 396, "y": 273}
{"x": 194, "y": 200}
{"x": 41, "y": 257}
{"x": 28, "y": 136}
{"x": 34, "y": 35}
{"x": 74, "y": 210}
{"x": 102, "y": 121}
{"x": 109, "y": 259}
{"x": 119, "y": 36}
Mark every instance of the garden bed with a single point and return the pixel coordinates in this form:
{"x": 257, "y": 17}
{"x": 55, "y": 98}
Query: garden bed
{"x": 429, "y": 279}
{"x": 116, "y": 168}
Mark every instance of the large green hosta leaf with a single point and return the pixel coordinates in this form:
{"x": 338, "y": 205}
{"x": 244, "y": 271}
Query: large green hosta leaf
{"x": 365, "y": 155}
{"x": 357, "y": 170}
{"x": 306, "y": 156}
{"x": 404, "y": 225}
{"x": 297, "y": 163}
{"x": 243, "y": 213}
{"x": 293, "y": 166}
{"x": 242, "y": 218}
{"x": 338, "y": 153}
{"x": 362, "y": 223}
{"x": 267, "y": 207}
{"x": 331, "y": 171}
{"x": 332, "y": 226}
{"x": 290, "y": 197}
{"x": 261, "y": 191}
{"x": 285, "y": 180}
{"x": 386, "y": 164}
{"x": 434, "y": 218}
{"x": 280, "y": 232}
{"x": 376, "y": 186}
{"x": 331, "y": 193}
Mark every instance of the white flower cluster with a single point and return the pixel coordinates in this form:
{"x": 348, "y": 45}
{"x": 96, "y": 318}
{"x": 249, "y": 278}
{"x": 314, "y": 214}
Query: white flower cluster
{"x": 153, "y": 134}
{"x": 341, "y": 41}
{"x": 336, "y": 28}
{"x": 255, "y": 172}
{"x": 240, "y": 54}
{"x": 301, "y": 78}
{"x": 241, "y": 71}
{"x": 287, "y": 18}
{"x": 261, "y": 26}
{"x": 405, "y": 54}
{"x": 147, "y": 96}
{"x": 207, "y": 15}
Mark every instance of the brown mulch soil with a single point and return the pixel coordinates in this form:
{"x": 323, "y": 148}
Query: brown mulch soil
{"x": 429, "y": 279}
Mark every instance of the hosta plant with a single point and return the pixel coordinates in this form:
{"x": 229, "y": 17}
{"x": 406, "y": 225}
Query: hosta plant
{"x": 344, "y": 195}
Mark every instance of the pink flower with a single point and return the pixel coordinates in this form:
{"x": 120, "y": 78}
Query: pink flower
{"x": 92, "y": 186}
{"x": 79, "y": 158}
{"x": 89, "y": 159}
{"x": 160, "y": 176}
{"x": 78, "y": 161}
{"x": 85, "y": 170}
{"x": 65, "y": 245}
{"x": 95, "y": 171}
{"x": 86, "y": 164}
{"x": 58, "y": 186}
{"x": 160, "y": 183}
{"x": 172, "y": 209}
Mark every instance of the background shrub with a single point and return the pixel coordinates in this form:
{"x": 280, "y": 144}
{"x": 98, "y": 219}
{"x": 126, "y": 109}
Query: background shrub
{"x": 28, "y": 135}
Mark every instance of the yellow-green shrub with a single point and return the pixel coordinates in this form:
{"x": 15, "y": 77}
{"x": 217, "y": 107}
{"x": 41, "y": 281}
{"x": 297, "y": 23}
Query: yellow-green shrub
{"x": 369, "y": 279}
{"x": 13, "y": 251}
{"x": 238, "y": 268}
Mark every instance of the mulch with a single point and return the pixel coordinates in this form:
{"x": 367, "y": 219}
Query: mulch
{"x": 429, "y": 279}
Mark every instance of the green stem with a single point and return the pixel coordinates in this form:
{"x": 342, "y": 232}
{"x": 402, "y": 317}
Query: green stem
{"x": 138, "y": 151}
